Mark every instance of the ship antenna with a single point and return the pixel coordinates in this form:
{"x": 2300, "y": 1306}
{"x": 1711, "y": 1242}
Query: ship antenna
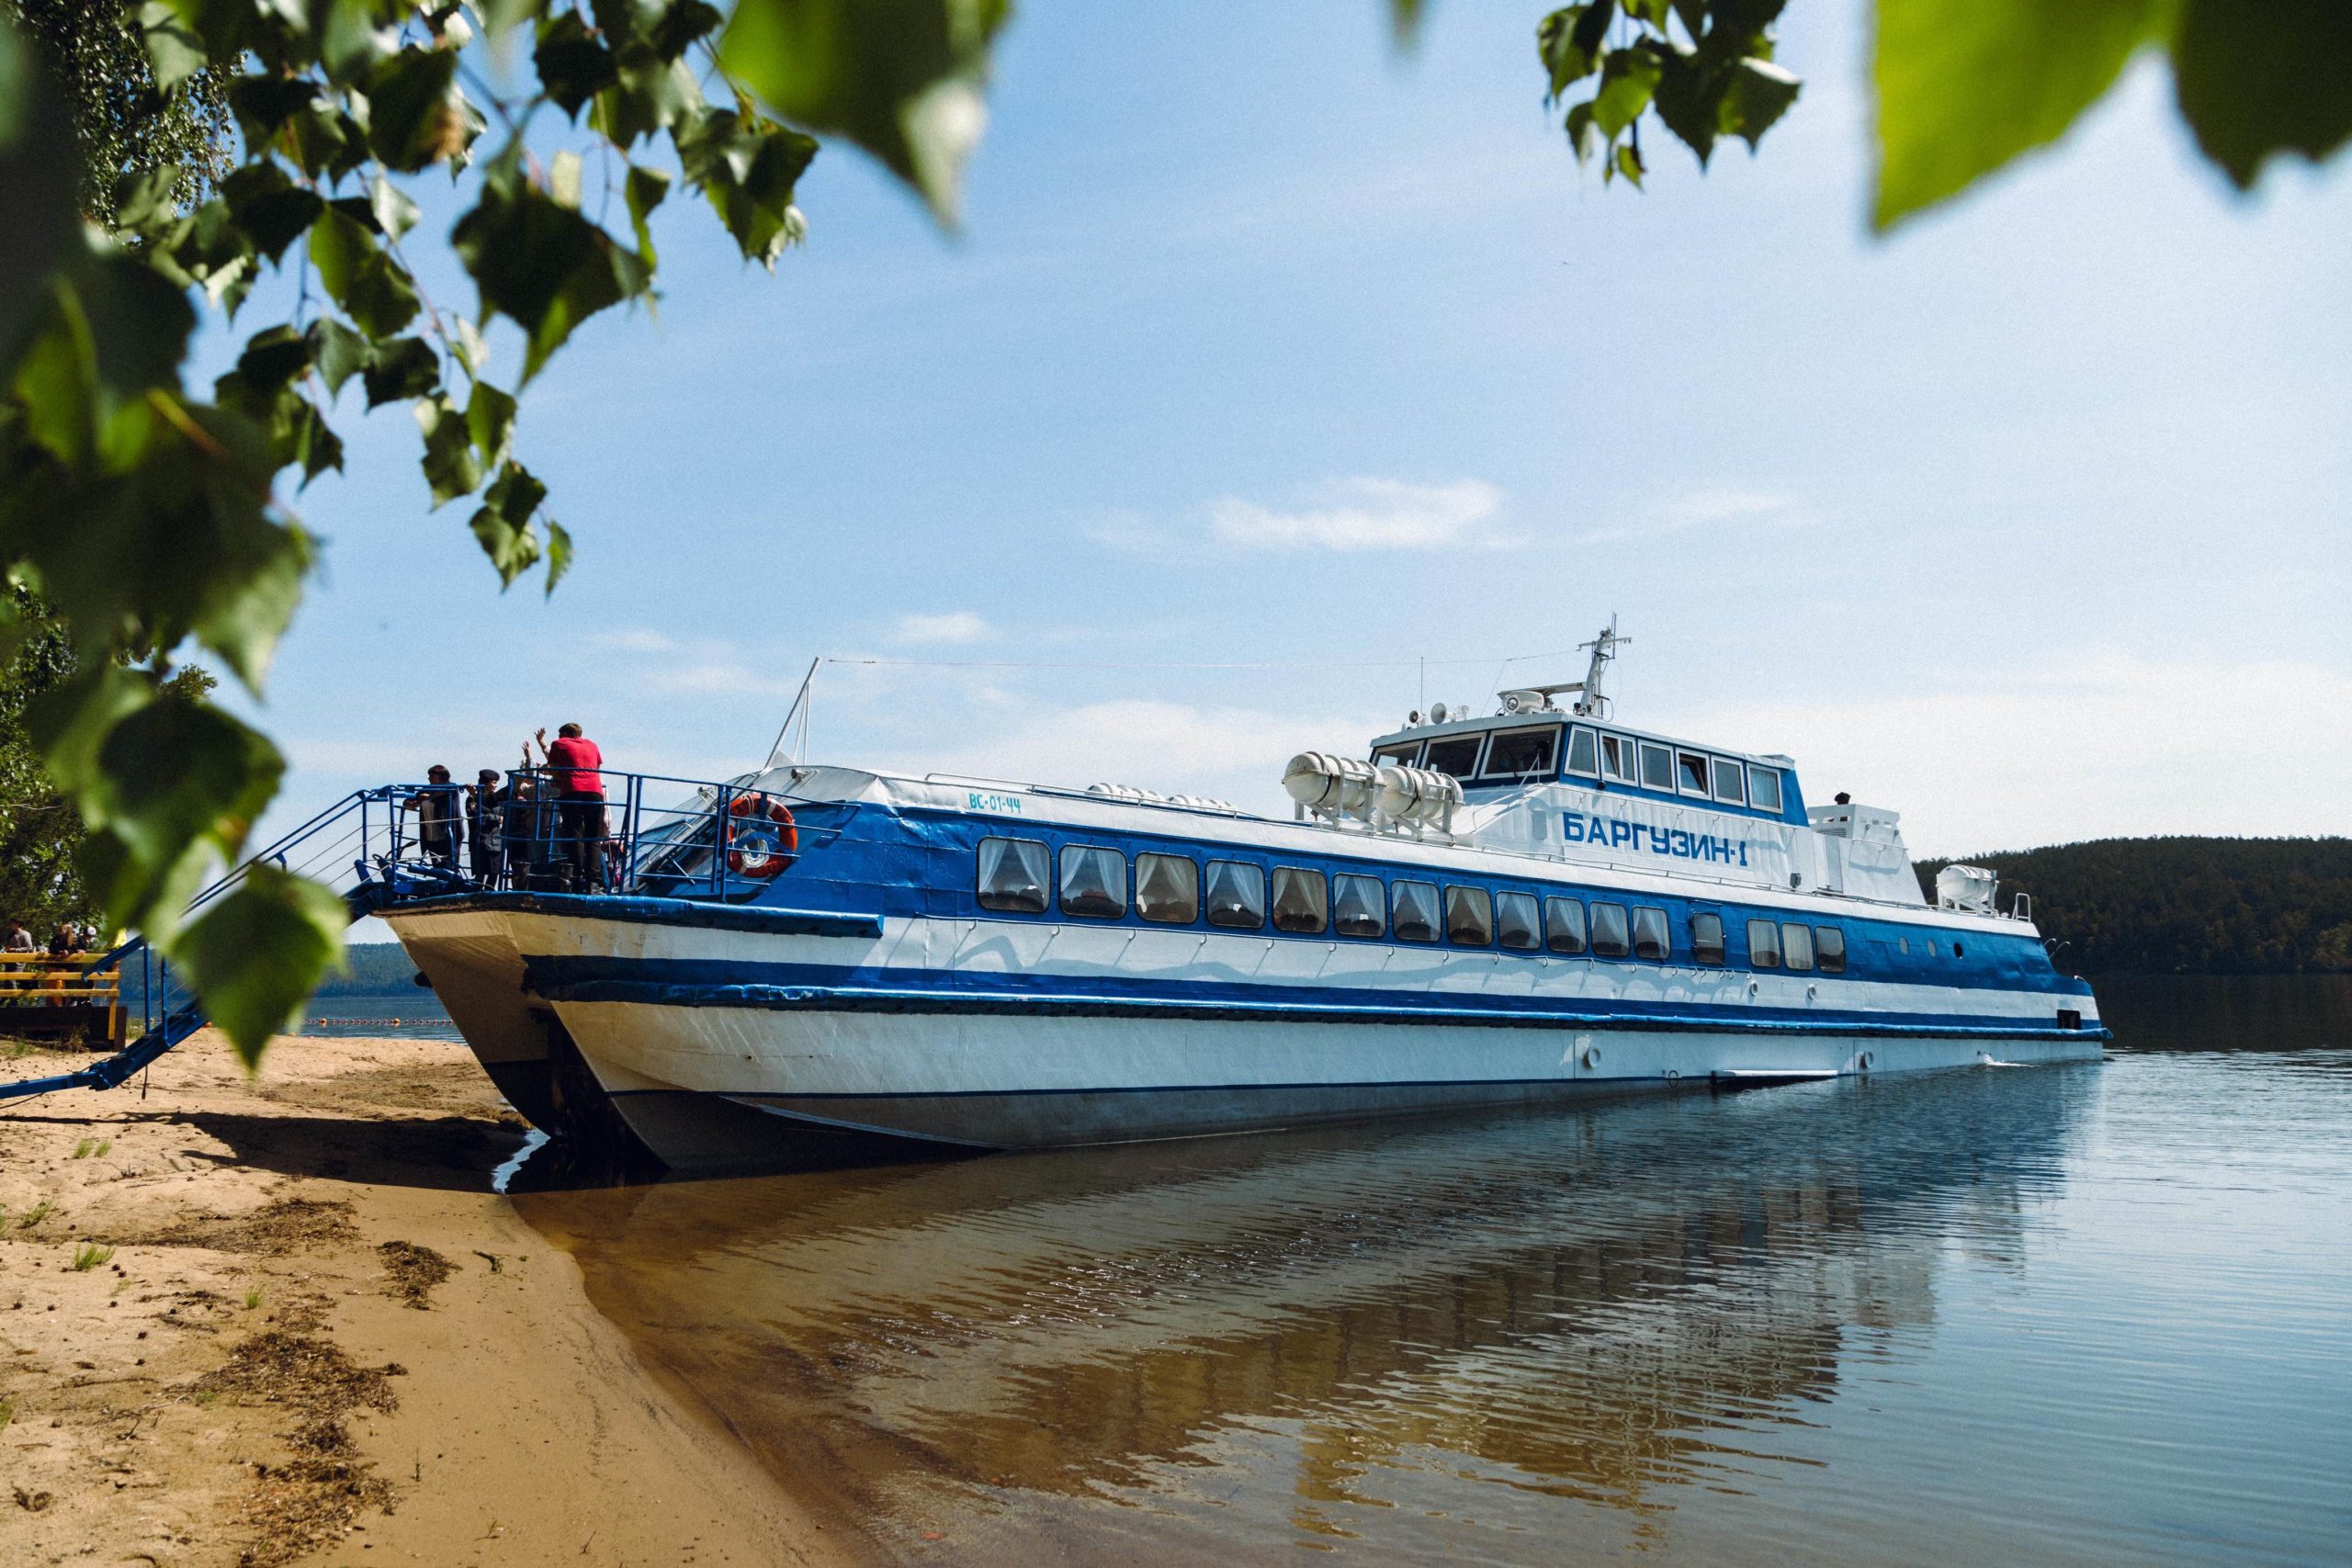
{"x": 1590, "y": 703}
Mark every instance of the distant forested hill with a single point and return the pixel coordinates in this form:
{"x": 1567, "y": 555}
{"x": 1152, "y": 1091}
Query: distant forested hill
{"x": 2184, "y": 906}
{"x": 377, "y": 969}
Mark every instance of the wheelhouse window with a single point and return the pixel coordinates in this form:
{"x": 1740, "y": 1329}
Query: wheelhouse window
{"x": 1764, "y": 788}
{"x": 1617, "y": 758}
{"x": 1731, "y": 782}
{"x": 1413, "y": 906}
{"x": 1299, "y": 904}
{"x": 1517, "y": 923}
{"x": 1358, "y": 905}
{"x": 1014, "y": 875}
{"x": 1094, "y": 881}
{"x": 1611, "y": 938}
{"x": 1690, "y": 774}
{"x": 1564, "y": 926}
{"x": 1829, "y": 944}
{"x": 1584, "y": 751}
{"x": 1763, "y": 945}
{"x": 1456, "y": 754}
{"x": 1657, "y": 767}
{"x": 1168, "y": 889}
{"x": 1516, "y": 754}
{"x": 1469, "y": 917}
{"x": 1237, "y": 895}
{"x": 1797, "y": 946}
{"x": 1706, "y": 938}
{"x": 1400, "y": 755}
{"x": 1652, "y": 943}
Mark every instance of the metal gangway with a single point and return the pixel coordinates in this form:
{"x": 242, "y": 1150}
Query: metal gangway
{"x": 655, "y": 836}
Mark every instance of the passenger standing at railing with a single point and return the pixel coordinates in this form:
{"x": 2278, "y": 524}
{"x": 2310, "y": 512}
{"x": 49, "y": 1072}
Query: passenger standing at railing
{"x": 437, "y": 829}
{"x": 486, "y": 820}
{"x": 579, "y": 801}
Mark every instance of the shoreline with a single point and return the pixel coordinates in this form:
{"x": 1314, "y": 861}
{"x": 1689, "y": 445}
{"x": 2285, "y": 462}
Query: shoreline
{"x": 320, "y": 1337}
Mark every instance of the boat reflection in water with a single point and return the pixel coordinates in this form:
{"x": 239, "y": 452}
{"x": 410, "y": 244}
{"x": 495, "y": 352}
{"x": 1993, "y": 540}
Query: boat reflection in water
{"x": 1443, "y": 1341}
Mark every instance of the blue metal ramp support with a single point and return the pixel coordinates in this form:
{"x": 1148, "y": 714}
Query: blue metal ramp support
{"x": 116, "y": 1069}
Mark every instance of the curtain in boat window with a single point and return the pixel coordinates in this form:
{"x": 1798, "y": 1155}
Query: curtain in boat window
{"x": 1609, "y": 936}
{"x": 1797, "y": 946}
{"x": 1299, "y": 903}
{"x": 1414, "y": 904}
{"x": 1830, "y": 942}
{"x": 1168, "y": 889}
{"x": 1706, "y": 938}
{"x": 1469, "y": 917}
{"x": 1014, "y": 873}
{"x": 1763, "y": 944}
{"x": 1237, "y": 895}
{"x": 1516, "y": 924}
{"x": 1564, "y": 925}
{"x": 1651, "y": 942}
{"x": 1358, "y": 905}
{"x": 1094, "y": 881}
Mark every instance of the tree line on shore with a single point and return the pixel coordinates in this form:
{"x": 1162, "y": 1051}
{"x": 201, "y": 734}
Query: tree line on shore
{"x": 2184, "y": 905}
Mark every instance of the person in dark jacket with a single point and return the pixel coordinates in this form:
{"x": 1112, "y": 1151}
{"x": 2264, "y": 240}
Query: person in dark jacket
{"x": 486, "y": 826}
{"x": 439, "y": 831}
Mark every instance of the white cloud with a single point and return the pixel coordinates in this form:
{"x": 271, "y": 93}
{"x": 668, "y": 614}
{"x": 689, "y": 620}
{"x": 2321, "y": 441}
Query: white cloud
{"x": 1365, "y": 514}
{"x": 954, "y": 626}
{"x": 1708, "y": 507}
{"x": 638, "y": 639}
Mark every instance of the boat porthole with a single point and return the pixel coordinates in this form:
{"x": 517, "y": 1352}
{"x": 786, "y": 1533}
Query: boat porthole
{"x": 1865, "y": 1061}
{"x": 1592, "y": 1057}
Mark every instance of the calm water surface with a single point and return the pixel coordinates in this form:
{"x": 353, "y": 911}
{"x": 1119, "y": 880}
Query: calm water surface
{"x": 2094, "y": 1314}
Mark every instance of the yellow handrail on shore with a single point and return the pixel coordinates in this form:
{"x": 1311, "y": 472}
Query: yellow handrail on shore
{"x": 40, "y": 980}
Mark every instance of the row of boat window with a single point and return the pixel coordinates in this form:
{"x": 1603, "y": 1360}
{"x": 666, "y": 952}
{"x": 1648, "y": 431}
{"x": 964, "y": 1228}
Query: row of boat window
{"x": 1515, "y": 756}
{"x": 1017, "y": 876}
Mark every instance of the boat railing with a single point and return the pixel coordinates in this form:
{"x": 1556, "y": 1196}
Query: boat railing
{"x": 647, "y": 835}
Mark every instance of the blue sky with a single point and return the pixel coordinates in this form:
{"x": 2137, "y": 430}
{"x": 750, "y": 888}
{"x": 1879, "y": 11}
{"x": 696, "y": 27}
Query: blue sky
{"x": 1265, "y": 345}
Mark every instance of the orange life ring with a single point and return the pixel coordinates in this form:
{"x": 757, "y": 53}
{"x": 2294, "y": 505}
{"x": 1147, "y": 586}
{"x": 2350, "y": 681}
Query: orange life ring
{"x": 762, "y": 837}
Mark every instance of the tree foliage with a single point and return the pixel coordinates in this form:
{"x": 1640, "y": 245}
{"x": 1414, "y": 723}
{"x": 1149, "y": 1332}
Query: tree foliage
{"x": 2184, "y": 905}
{"x": 152, "y": 517}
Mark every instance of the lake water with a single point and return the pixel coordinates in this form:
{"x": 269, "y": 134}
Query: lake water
{"x": 2096, "y": 1314}
{"x": 415, "y": 1015}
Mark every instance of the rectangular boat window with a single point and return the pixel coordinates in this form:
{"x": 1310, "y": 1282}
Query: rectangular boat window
{"x": 1015, "y": 874}
{"x": 1731, "y": 782}
{"x": 1469, "y": 917}
{"x": 1237, "y": 895}
{"x": 1523, "y": 753}
{"x": 1584, "y": 754}
{"x": 1358, "y": 905}
{"x": 1400, "y": 755}
{"x": 1658, "y": 766}
{"x": 1299, "y": 903}
{"x": 1564, "y": 925}
{"x": 1651, "y": 942}
{"x": 1168, "y": 889}
{"x": 1797, "y": 946}
{"x": 1692, "y": 776}
{"x": 1094, "y": 881}
{"x": 1516, "y": 922}
{"x": 1764, "y": 788}
{"x": 1763, "y": 945}
{"x": 1829, "y": 941}
{"x": 1617, "y": 758}
{"x": 1414, "y": 904}
{"x": 1609, "y": 938}
{"x": 1456, "y": 754}
{"x": 1706, "y": 938}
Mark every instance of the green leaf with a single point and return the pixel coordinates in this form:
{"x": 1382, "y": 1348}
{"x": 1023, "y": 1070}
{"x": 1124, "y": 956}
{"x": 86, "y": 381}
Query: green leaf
{"x": 395, "y": 213}
{"x": 901, "y": 78}
{"x": 2259, "y": 79}
{"x": 1965, "y": 86}
{"x": 558, "y": 554}
{"x": 1628, "y": 77}
{"x": 645, "y": 190}
{"x": 339, "y": 353}
{"x": 270, "y": 208}
{"x": 173, "y": 771}
{"x": 369, "y": 285}
{"x": 1629, "y": 163}
{"x": 405, "y": 368}
{"x": 511, "y": 547}
{"x": 259, "y": 953}
{"x": 1758, "y": 95}
{"x": 174, "y": 52}
{"x": 573, "y": 66}
{"x": 542, "y": 265}
{"x": 749, "y": 168}
{"x": 412, "y": 121}
{"x": 450, "y": 465}
{"x": 489, "y": 425}
{"x": 1558, "y": 39}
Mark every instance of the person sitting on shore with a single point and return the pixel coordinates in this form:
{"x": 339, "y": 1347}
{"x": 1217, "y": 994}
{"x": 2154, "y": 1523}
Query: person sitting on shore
{"x": 438, "y": 832}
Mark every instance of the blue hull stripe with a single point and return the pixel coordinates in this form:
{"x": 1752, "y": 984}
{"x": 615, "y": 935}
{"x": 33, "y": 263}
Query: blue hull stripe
{"x": 1045, "y": 1003}
{"x": 655, "y": 912}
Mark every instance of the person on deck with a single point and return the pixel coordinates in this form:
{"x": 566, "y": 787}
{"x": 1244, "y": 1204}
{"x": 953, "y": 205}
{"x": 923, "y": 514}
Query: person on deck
{"x": 19, "y": 938}
{"x": 438, "y": 832}
{"x": 63, "y": 942}
{"x": 486, "y": 822}
{"x": 579, "y": 803}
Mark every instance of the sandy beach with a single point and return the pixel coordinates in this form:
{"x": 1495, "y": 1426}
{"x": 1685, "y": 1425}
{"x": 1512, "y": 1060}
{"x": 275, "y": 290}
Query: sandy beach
{"x": 272, "y": 1320}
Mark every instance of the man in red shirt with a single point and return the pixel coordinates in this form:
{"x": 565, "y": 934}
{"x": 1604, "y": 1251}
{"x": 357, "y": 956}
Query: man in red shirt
{"x": 579, "y": 803}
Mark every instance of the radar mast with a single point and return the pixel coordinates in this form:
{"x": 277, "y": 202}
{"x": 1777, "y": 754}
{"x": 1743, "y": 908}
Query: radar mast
{"x": 1590, "y": 703}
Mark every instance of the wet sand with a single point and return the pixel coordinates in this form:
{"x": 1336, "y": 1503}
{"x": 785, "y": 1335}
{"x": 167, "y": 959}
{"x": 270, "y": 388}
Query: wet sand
{"x": 319, "y": 1338}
